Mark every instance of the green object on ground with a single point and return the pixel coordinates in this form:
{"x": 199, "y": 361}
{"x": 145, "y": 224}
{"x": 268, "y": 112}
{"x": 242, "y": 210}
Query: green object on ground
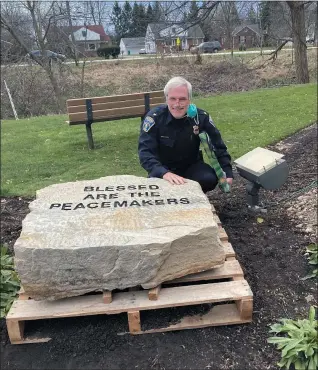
{"x": 9, "y": 282}
{"x": 214, "y": 163}
{"x": 297, "y": 340}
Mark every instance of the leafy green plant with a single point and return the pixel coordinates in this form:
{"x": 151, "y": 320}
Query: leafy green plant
{"x": 312, "y": 256}
{"x": 9, "y": 282}
{"x": 299, "y": 343}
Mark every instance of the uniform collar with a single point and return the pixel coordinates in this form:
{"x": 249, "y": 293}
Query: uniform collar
{"x": 170, "y": 117}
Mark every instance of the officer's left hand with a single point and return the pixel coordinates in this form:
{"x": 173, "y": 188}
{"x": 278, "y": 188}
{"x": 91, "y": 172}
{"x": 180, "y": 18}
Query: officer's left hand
{"x": 229, "y": 180}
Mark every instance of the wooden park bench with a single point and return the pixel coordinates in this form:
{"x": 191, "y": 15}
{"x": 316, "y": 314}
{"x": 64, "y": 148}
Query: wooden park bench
{"x": 86, "y": 111}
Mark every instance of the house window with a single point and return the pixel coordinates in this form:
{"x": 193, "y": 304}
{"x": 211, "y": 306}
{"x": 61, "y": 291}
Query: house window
{"x": 242, "y": 39}
{"x": 84, "y": 33}
{"x": 91, "y": 47}
{"x": 173, "y": 29}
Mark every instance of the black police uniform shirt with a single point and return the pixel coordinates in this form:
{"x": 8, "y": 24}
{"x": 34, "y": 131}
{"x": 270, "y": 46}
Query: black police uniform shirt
{"x": 169, "y": 144}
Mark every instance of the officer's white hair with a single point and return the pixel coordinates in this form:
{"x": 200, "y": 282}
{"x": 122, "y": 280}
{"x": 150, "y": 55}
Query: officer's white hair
{"x": 176, "y": 82}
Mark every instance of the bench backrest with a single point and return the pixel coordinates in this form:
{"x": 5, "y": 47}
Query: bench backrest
{"x": 108, "y": 108}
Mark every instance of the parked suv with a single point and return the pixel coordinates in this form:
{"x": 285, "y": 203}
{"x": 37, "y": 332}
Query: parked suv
{"x": 49, "y": 54}
{"x": 210, "y": 47}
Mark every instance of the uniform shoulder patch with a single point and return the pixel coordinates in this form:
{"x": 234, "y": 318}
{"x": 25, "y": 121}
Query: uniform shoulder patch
{"x": 211, "y": 121}
{"x": 148, "y": 123}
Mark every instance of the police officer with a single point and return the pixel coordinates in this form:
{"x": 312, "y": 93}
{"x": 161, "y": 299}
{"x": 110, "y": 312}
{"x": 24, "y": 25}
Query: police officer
{"x": 169, "y": 140}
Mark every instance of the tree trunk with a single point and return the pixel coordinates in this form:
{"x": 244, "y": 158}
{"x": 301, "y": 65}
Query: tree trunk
{"x": 44, "y": 64}
{"x": 316, "y": 29}
{"x": 56, "y": 88}
{"x": 72, "y": 33}
{"x": 299, "y": 38}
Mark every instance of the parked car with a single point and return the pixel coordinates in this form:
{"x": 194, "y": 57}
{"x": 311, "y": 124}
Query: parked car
{"x": 49, "y": 54}
{"x": 210, "y": 47}
{"x": 142, "y": 51}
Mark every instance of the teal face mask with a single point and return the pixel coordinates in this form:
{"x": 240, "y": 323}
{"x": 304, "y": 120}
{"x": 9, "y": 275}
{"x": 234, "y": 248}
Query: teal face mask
{"x": 192, "y": 111}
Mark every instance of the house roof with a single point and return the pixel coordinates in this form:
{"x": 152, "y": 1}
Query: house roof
{"x": 254, "y": 27}
{"x": 98, "y": 28}
{"x": 194, "y": 31}
{"x": 137, "y": 42}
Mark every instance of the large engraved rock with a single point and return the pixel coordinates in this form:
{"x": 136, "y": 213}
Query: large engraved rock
{"x": 114, "y": 232}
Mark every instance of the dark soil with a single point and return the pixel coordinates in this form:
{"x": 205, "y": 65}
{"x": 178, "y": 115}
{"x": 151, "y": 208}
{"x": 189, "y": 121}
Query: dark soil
{"x": 271, "y": 254}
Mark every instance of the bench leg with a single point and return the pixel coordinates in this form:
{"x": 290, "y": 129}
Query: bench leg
{"x": 89, "y": 136}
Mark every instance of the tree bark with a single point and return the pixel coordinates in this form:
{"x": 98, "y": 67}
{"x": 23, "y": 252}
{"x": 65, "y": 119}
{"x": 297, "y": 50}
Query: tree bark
{"x": 32, "y": 7}
{"x": 299, "y": 38}
{"x": 72, "y": 33}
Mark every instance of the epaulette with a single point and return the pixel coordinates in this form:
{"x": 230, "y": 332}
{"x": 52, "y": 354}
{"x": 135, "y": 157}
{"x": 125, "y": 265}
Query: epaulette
{"x": 157, "y": 111}
{"x": 202, "y": 112}
{"x": 150, "y": 117}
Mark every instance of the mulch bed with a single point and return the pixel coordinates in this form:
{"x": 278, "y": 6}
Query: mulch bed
{"x": 271, "y": 254}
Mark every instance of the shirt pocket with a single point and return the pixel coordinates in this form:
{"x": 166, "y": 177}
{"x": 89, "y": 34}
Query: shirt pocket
{"x": 166, "y": 141}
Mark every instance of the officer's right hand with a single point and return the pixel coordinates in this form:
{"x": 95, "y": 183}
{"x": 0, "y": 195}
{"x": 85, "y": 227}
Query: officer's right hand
{"x": 174, "y": 179}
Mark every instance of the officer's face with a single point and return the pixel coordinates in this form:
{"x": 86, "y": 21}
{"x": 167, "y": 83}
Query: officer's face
{"x": 178, "y": 101}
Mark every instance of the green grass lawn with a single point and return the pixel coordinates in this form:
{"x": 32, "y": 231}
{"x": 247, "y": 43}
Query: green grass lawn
{"x": 44, "y": 150}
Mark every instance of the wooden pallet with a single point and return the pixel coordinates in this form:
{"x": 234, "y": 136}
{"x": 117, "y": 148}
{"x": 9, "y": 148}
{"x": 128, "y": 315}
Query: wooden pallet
{"x": 235, "y": 291}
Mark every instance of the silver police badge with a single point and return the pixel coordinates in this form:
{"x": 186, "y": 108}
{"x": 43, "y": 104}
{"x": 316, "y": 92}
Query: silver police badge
{"x": 148, "y": 123}
{"x": 196, "y": 130}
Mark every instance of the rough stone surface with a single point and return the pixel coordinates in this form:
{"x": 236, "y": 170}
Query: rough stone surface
{"x": 128, "y": 231}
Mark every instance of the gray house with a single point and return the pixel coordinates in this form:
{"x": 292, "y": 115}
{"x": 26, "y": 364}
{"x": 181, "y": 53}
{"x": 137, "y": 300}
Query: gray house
{"x": 163, "y": 36}
{"x": 131, "y": 45}
{"x": 249, "y": 35}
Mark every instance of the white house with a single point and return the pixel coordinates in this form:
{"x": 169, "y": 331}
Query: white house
{"x": 88, "y": 38}
{"x": 161, "y": 35}
{"x": 131, "y": 45}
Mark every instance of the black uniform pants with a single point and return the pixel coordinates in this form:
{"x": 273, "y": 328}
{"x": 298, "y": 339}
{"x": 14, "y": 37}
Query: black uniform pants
{"x": 202, "y": 173}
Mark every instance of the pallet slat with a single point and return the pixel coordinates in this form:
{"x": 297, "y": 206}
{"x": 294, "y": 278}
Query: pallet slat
{"x": 107, "y": 296}
{"x": 229, "y": 251}
{"x": 153, "y": 294}
{"x": 15, "y": 330}
{"x": 217, "y": 219}
{"x": 134, "y": 321}
{"x": 229, "y": 269}
{"x": 223, "y": 235}
{"x": 226, "y": 314}
{"x": 245, "y": 307}
{"x": 129, "y": 301}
